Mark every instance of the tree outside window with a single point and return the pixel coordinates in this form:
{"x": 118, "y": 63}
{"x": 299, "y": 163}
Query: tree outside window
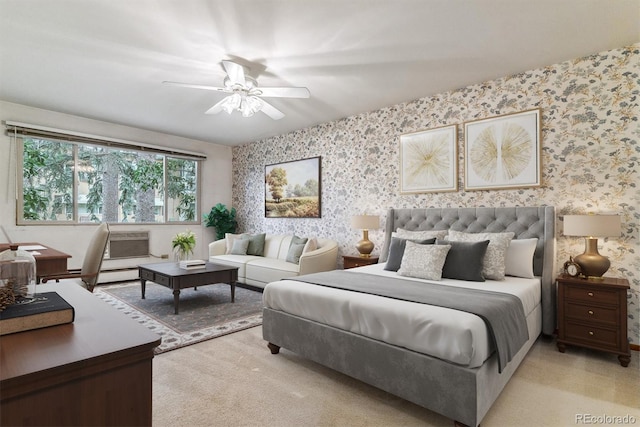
{"x": 111, "y": 185}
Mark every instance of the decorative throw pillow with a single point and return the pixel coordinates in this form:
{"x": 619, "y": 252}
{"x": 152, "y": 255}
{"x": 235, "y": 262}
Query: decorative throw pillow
{"x": 494, "y": 259}
{"x": 229, "y": 238}
{"x": 256, "y": 244}
{"x": 239, "y": 247}
{"x": 396, "y": 251}
{"x": 311, "y": 245}
{"x": 423, "y": 261}
{"x": 519, "y": 259}
{"x": 419, "y": 234}
{"x": 464, "y": 260}
{"x": 295, "y": 249}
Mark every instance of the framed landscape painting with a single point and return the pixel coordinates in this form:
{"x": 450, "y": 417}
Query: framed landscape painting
{"x": 428, "y": 161}
{"x": 503, "y": 152}
{"x": 292, "y": 189}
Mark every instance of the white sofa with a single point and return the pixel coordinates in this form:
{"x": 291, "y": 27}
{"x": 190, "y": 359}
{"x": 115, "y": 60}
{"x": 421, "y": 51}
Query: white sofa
{"x": 260, "y": 270}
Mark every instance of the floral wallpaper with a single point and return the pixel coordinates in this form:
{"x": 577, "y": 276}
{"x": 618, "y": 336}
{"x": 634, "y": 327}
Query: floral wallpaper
{"x": 590, "y": 153}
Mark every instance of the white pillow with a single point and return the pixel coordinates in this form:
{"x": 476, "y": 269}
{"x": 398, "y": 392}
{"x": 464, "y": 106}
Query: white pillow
{"x": 419, "y": 234}
{"x": 311, "y": 245}
{"x": 519, "y": 259}
{"x": 423, "y": 261}
{"x": 493, "y": 266}
{"x": 229, "y": 238}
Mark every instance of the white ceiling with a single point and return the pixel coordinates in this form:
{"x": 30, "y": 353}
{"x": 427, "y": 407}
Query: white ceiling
{"x": 106, "y": 59}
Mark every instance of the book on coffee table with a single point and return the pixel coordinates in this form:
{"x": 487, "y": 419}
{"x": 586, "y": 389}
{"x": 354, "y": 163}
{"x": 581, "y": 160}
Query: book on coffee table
{"x": 46, "y": 309}
{"x": 192, "y": 263}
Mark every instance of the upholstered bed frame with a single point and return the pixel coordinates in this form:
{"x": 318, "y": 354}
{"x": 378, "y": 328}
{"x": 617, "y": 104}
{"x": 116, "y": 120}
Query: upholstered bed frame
{"x": 462, "y": 394}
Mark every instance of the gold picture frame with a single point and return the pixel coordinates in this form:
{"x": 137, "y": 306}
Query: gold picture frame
{"x": 503, "y": 152}
{"x": 429, "y": 161}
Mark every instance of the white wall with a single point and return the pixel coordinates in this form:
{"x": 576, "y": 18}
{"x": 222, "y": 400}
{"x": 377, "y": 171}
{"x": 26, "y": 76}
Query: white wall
{"x": 73, "y": 239}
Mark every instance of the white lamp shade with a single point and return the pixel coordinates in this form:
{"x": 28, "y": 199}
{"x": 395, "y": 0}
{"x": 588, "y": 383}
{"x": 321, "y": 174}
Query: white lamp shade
{"x": 365, "y": 222}
{"x": 592, "y": 225}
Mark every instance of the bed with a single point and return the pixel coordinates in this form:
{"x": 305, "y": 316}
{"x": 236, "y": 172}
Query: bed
{"x": 362, "y": 335}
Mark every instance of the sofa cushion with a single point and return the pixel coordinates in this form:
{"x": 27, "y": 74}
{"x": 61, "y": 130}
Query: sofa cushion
{"x": 267, "y": 270}
{"x": 272, "y": 244}
{"x": 256, "y": 243}
{"x": 295, "y": 249}
{"x": 239, "y": 261}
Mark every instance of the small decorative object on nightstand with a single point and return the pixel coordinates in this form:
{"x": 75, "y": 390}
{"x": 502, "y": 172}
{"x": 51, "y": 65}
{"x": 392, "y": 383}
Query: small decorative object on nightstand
{"x": 358, "y": 261}
{"x": 593, "y": 314}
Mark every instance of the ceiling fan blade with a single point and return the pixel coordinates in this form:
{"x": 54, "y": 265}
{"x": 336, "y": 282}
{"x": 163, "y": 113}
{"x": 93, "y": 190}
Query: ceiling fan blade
{"x": 271, "y": 111}
{"x": 235, "y": 72}
{"x": 218, "y": 89}
{"x": 284, "y": 92}
{"x": 216, "y": 108}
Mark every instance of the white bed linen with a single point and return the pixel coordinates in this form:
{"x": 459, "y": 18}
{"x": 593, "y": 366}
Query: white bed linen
{"x": 451, "y": 335}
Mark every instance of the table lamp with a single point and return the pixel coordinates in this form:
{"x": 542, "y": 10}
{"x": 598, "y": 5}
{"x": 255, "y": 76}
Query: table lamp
{"x": 591, "y": 227}
{"x": 365, "y": 223}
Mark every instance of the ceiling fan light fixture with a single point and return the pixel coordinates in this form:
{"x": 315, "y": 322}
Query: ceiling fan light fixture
{"x": 250, "y": 105}
{"x": 231, "y": 103}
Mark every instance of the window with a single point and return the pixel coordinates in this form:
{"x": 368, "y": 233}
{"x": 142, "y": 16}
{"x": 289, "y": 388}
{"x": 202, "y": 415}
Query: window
{"x": 73, "y": 182}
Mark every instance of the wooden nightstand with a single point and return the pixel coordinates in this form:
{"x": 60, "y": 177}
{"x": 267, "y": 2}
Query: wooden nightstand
{"x": 358, "y": 261}
{"x": 593, "y": 314}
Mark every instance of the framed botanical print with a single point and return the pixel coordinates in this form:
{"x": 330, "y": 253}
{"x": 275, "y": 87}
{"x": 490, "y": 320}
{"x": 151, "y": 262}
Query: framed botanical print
{"x": 292, "y": 189}
{"x": 503, "y": 152}
{"x": 428, "y": 161}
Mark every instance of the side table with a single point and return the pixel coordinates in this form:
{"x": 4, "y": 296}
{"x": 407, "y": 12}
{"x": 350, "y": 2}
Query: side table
{"x": 593, "y": 314}
{"x": 350, "y": 261}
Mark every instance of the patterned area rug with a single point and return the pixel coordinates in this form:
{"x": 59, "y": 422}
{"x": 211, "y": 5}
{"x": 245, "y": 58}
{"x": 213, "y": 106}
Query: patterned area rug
{"x": 204, "y": 313}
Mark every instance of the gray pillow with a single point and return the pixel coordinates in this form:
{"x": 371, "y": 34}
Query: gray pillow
{"x": 295, "y": 249}
{"x": 396, "y": 250}
{"x": 239, "y": 247}
{"x": 464, "y": 260}
{"x": 423, "y": 261}
{"x": 256, "y": 244}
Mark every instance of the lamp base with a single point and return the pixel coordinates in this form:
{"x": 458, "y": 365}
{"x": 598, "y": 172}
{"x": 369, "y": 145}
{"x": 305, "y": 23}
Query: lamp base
{"x": 593, "y": 264}
{"x": 365, "y": 246}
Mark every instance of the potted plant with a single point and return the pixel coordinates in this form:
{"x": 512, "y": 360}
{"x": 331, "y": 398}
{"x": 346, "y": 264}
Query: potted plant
{"x": 223, "y": 219}
{"x": 183, "y": 245}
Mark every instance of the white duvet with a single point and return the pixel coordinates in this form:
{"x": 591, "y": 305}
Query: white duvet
{"x": 452, "y": 335}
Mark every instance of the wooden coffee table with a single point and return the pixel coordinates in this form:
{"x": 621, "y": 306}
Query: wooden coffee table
{"x": 170, "y": 274}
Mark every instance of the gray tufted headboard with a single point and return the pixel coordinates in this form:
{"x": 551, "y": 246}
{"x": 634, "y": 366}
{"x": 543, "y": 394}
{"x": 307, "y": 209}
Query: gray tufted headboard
{"x": 525, "y": 222}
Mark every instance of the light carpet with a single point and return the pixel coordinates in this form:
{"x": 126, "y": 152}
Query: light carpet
{"x": 204, "y": 313}
{"x": 235, "y": 381}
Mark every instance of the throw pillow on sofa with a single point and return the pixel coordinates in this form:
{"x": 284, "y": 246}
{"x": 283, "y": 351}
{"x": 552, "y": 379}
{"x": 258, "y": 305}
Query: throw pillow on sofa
{"x": 229, "y": 239}
{"x": 256, "y": 244}
{"x": 295, "y": 249}
{"x": 239, "y": 247}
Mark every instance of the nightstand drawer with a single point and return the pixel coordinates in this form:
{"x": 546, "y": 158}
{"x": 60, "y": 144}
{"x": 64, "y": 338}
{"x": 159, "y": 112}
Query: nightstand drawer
{"x": 589, "y": 334}
{"x": 586, "y": 293}
{"x": 590, "y": 313}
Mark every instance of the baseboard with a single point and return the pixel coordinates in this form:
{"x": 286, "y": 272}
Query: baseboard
{"x": 634, "y": 347}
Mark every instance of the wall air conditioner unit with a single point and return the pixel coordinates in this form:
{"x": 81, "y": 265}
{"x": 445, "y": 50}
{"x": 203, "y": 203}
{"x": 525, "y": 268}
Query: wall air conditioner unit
{"x": 128, "y": 244}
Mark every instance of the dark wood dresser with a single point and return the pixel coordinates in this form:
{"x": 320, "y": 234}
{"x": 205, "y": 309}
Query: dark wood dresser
{"x": 95, "y": 371}
{"x": 593, "y": 314}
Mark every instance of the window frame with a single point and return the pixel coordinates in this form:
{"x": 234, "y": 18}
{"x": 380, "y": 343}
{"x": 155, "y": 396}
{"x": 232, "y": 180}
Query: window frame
{"x": 21, "y": 221}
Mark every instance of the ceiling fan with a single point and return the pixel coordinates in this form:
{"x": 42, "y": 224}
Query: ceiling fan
{"x": 245, "y": 95}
